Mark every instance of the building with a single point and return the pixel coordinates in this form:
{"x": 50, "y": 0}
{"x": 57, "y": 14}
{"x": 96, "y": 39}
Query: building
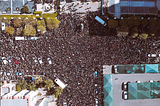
{"x": 7, "y": 87}
{"x": 135, "y": 7}
{"x": 141, "y": 81}
{"x": 15, "y": 6}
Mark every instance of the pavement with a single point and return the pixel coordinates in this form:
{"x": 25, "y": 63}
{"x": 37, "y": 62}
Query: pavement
{"x": 117, "y": 91}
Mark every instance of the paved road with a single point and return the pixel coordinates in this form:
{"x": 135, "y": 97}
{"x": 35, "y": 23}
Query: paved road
{"x": 117, "y": 92}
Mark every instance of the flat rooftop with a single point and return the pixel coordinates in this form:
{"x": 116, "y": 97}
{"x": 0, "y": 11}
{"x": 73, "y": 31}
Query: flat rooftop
{"x": 118, "y": 7}
{"x": 117, "y": 91}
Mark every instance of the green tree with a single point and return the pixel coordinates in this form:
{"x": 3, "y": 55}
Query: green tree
{"x": 9, "y": 30}
{"x": 144, "y": 22}
{"x": 133, "y": 21}
{"x": 29, "y": 30}
{"x": 48, "y": 84}
{"x": 25, "y": 9}
{"x": 6, "y": 20}
{"x": 32, "y": 87}
{"x": 19, "y": 31}
{"x": 134, "y": 32}
{"x": 52, "y": 23}
{"x": 59, "y": 90}
{"x": 17, "y": 22}
{"x": 123, "y": 22}
{"x": 112, "y": 24}
{"x": 152, "y": 22}
{"x": 42, "y": 29}
{"x": 30, "y": 20}
{"x": 123, "y": 29}
{"x": 23, "y": 84}
{"x": 18, "y": 88}
{"x": 41, "y": 26}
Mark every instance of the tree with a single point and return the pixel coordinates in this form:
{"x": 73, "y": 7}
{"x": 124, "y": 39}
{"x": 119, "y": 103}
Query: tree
{"x": 9, "y": 30}
{"x": 30, "y": 20}
{"x": 41, "y": 26}
{"x": 18, "y": 88}
{"x": 144, "y": 22}
{"x": 32, "y": 87}
{"x": 123, "y": 22}
{"x": 152, "y": 31}
{"x": 123, "y": 29}
{"x": 52, "y": 23}
{"x": 134, "y": 32}
{"x": 23, "y": 84}
{"x": 59, "y": 90}
{"x": 133, "y": 21}
{"x": 17, "y": 22}
{"x": 42, "y": 29}
{"x": 25, "y": 9}
{"x": 112, "y": 24}
{"x": 29, "y": 30}
{"x": 49, "y": 84}
{"x": 152, "y": 22}
{"x": 6, "y": 20}
{"x": 19, "y": 31}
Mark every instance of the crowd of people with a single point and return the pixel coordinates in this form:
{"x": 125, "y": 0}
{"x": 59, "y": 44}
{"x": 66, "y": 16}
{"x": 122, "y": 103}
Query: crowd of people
{"x": 75, "y": 56}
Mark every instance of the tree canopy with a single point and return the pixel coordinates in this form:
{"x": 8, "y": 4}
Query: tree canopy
{"x": 48, "y": 84}
{"x": 25, "y": 9}
{"x": 29, "y": 30}
{"x": 152, "y": 22}
{"x": 112, "y": 24}
{"x": 52, "y": 23}
{"x": 9, "y": 30}
{"x": 17, "y": 22}
{"x": 59, "y": 90}
{"x": 144, "y": 22}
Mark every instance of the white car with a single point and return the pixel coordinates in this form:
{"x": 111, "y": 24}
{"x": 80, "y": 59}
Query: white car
{"x": 64, "y": 103}
{"x": 125, "y": 95}
{"x": 40, "y": 60}
{"x": 49, "y": 60}
{"x": 35, "y": 60}
{"x": 4, "y": 60}
{"x": 96, "y": 102}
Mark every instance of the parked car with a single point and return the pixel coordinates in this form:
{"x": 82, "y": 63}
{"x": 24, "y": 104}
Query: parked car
{"x": 40, "y": 60}
{"x": 4, "y": 60}
{"x": 125, "y": 95}
{"x": 96, "y": 102}
{"x": 9, "y": 60}
{"x": 64, "y": 103}
{"x": 15, "y": 61}
{"x": 35, "y": 60}
{"x": 49, "y": 60}
{"x": 96, "y": 91}
{"x": 95, "y": 74}
{"x": 125, "y": 86}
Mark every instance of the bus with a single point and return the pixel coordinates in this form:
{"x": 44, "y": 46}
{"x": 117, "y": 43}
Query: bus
{"x": 60, "y": 83}
{"x": 100, "y": 21}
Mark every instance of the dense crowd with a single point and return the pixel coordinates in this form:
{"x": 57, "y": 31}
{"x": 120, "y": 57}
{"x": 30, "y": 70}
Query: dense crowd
{"x": 75, "y": 56}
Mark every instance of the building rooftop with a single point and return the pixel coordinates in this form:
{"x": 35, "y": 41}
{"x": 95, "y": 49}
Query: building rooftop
{"x": 118, "y": 7}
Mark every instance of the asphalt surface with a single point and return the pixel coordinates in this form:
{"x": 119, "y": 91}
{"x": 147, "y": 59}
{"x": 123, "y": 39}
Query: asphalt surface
{"x": 117, "y": 91}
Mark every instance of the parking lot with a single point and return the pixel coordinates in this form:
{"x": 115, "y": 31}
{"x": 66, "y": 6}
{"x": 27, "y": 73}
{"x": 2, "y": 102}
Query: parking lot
{"x": 117, "y": 90}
